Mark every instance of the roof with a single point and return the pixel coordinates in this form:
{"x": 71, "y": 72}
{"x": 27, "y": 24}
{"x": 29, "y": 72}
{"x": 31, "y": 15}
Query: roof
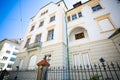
{"x": 11, "y": 40}
{"x": 47, "y": 5}
{"x": 79, "y": 5}
{"x": 115, "y": 33}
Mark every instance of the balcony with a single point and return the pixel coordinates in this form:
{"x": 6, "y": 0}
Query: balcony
{"x": 34, "y": 46}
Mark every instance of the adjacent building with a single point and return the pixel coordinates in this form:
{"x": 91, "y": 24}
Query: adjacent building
{"x": 8, "y": 53}
{"x": 71, "y": 36}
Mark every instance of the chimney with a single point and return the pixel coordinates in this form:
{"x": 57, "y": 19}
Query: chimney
{"x": 77, "y": 4}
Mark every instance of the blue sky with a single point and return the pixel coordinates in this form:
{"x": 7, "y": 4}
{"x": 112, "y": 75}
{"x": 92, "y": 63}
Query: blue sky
{"x": 11, "y": 12}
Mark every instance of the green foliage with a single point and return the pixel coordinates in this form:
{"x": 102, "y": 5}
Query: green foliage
{"x": 95, "y": 77}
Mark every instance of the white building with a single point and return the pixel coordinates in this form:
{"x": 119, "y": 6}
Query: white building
{"x": 76, "y": 36}
{"x": 8, "y": 53}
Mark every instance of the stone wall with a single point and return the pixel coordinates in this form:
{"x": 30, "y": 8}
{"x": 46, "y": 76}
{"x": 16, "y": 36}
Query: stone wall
{"x": 23, "y": 75}
{"x": 97, "y": 49}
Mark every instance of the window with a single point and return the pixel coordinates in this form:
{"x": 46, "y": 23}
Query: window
{"x": 32, "y": 28}
{"x": 27, "y": 43}
{"x": 79, "y": 14}
{"x": 105, "y": 23}
{"x": 50, "y": 34}
{"x": 85, "y": 58}
{"x": 81, "y": 59}
{"x": 74, "y": 16}
{"x": 41, "y": 23}
{"x": 12, "y": 59}
{"x": 79, "y": 36}
{"x": 32, "y": 62}
{"x": 96, "y": 8}
{"x": 38, "y": 38}
{"x": 9, "y": 66}
{"x": 77, "y": 59}
{"x": 14, "y": 54}
{"x": 52, "y": 18}
{"x": 4, "y": 58}
{"x": 7, "y": 51}
{"x": 16, "y": 48}
{"x": 68, "y": 18}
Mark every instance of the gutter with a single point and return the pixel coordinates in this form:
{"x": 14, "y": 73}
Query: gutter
{"x": 68, "y": 54}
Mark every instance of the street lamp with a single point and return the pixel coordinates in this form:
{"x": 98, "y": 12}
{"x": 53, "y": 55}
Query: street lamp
{"x": 102, "y": 60}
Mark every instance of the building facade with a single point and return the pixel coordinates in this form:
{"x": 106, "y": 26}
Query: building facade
{"x": 71, "y": 37}
{"x": 8, "y": 53}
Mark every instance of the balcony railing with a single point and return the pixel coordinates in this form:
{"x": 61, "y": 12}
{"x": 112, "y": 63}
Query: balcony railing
{"x": 34, "y": 45}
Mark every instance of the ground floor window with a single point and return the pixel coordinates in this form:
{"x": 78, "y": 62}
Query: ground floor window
{"x": 81, "y": 59}
{"x": 32, "y": 62}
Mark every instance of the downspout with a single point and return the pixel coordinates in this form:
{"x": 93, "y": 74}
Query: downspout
{"x": 68, "y": 55}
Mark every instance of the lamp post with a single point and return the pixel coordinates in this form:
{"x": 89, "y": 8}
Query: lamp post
{"x": 102, "y": 60}
{"x": 17, "y": 72}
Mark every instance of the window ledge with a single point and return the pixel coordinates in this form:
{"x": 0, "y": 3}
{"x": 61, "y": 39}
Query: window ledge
{"x": 75, "y": 19}
{"x": 49, "y": 40}
{"x": 98, "y": 10}
{"x": 107, "y": 31}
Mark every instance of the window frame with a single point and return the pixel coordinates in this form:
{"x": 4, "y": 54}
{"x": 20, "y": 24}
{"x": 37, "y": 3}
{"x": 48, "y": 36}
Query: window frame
{"x": 79, "y": 14}
{"x": 32, "y": 28}
{"x": 4, "y": 58}
{"x": 80, "y": 35}
{"x": 36, "y": 38}
{"x": 52, "y": 18}
{"x": 74, "y": 16}
{"x": 41, "y": 23}
{"x": 50, "y": 34}
{"x": 81, "y": 60}
{"x": 27, "y": 42}
{"x": 106, "y": 16}
{"x": 8, "y": 51}
{"x": 96, "y": 8}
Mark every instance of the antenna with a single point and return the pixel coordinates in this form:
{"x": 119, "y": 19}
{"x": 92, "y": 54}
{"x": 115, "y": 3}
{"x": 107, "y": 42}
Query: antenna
{"x": 21, "y": 18}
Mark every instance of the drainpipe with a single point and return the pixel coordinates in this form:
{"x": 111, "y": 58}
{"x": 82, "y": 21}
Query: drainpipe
{"x": 68, "y": 56}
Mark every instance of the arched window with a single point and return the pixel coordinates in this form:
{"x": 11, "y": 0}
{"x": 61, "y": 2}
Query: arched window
{"x": 78, "y": 33}
{"x": 32, "y": 62}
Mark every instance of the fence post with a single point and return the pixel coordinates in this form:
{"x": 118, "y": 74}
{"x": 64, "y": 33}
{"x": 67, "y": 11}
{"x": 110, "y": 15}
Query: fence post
{"x": 39, "y": 75}
{"x": 42, "y": 69}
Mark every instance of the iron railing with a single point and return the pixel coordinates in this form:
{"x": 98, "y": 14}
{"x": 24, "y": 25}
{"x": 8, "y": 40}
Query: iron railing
{"x": 34, "y": 45}
{"x": 104, "y": 71}
{"x": 108, "y": 71}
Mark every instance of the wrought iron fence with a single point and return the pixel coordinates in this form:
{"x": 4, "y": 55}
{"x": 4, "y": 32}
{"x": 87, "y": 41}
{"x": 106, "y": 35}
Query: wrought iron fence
{"x": 104, "y": 71}
{"x": 108, "y": 71}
